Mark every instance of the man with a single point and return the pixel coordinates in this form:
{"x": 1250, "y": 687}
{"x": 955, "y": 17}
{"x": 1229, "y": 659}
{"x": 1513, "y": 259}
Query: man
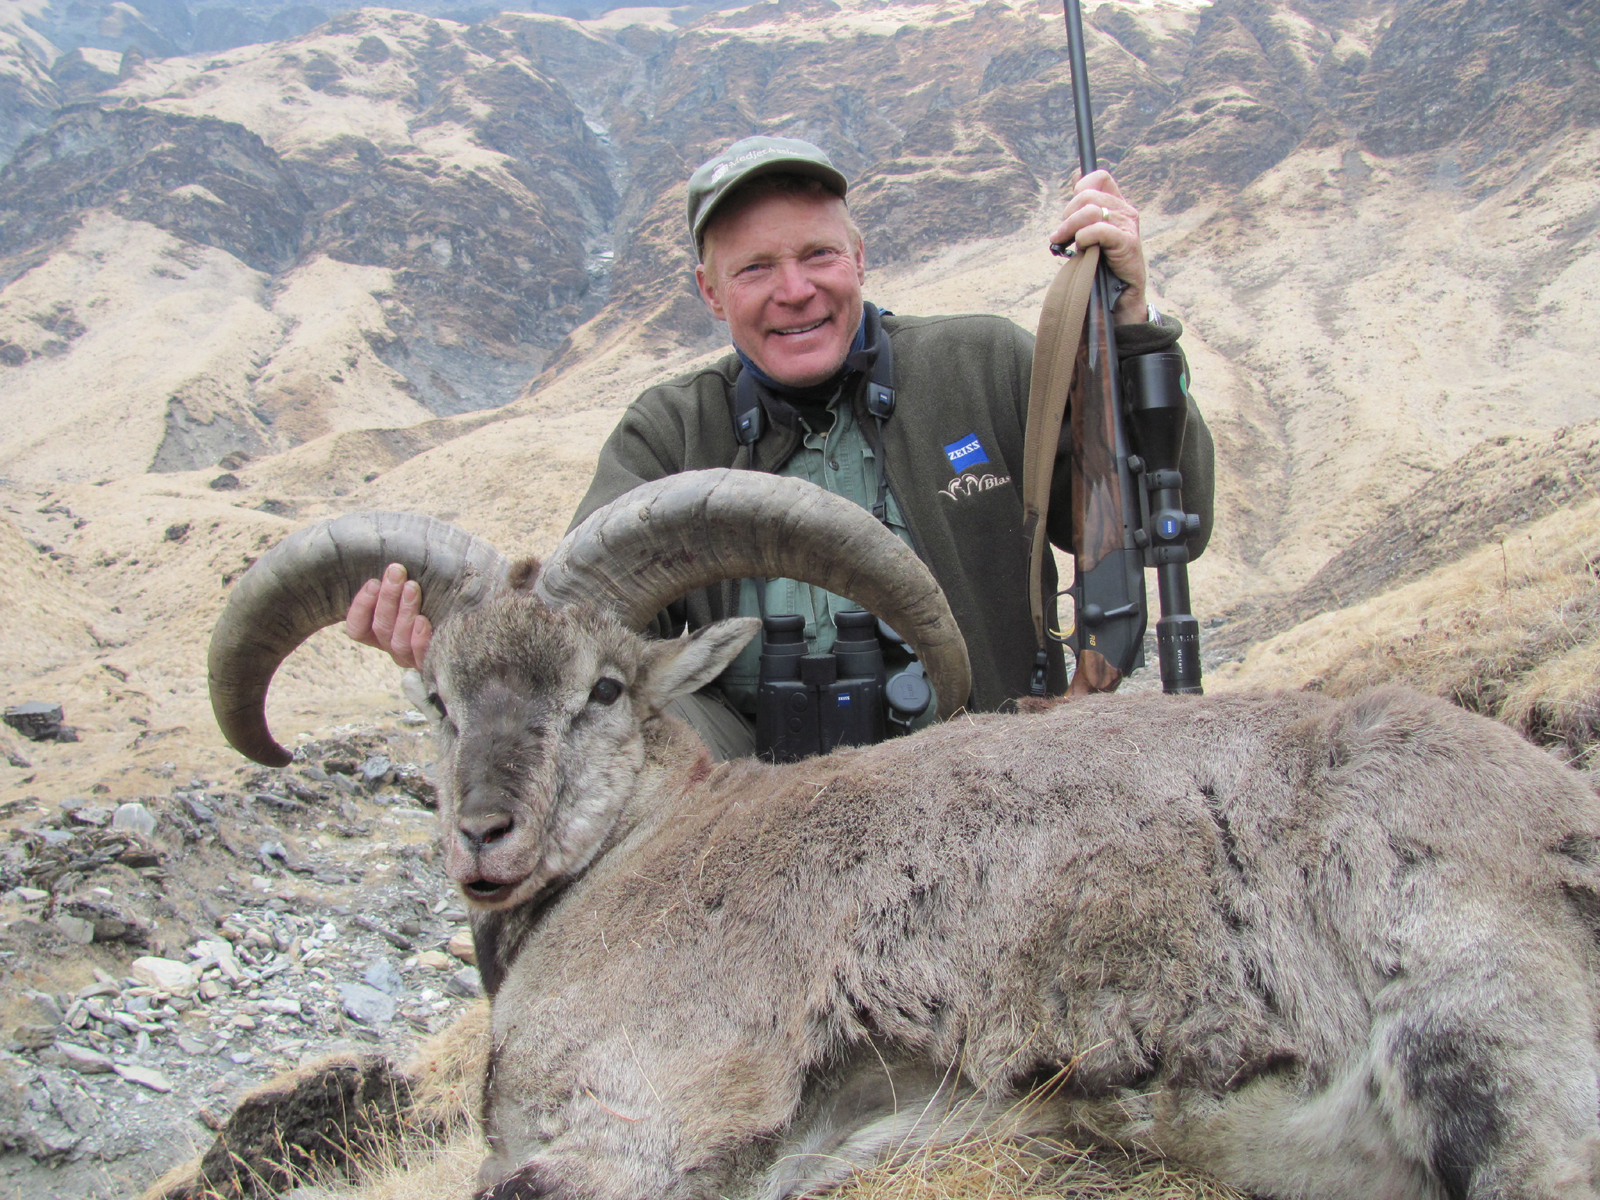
{"x": 783, "y": 264}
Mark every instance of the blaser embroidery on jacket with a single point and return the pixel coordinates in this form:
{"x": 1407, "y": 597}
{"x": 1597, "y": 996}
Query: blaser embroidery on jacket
{"x": 968, "y": 484}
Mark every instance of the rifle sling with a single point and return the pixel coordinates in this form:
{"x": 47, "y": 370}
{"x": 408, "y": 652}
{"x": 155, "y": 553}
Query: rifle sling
{"x": 1055, "y": 355}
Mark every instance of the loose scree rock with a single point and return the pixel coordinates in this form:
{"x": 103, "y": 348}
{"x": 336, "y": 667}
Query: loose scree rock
{"x": 1318, "y": 948}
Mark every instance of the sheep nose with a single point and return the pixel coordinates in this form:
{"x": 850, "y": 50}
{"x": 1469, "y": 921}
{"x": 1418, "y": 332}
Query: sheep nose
{"x": 484, "y": 829}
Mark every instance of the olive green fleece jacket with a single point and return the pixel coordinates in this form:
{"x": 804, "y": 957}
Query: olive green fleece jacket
{"x": 956, "y": 378}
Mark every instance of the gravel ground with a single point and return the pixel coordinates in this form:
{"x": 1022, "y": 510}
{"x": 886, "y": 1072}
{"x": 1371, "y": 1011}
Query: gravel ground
{"x": 164, "y": 956}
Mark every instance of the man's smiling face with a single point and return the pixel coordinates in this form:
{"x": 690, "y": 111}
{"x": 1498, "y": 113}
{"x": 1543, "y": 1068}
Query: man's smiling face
{"x": 785, "y": 272}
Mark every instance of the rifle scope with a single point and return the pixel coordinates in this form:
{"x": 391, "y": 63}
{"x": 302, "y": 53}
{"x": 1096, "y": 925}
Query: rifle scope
{"x": 1157, "y": 405}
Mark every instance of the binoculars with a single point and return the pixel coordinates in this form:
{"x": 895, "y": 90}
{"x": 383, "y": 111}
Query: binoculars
{"x": 808, "y": 704}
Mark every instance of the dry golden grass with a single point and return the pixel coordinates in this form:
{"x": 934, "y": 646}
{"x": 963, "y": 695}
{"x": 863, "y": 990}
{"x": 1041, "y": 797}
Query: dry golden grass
{"x": 1511, "y": 631}
{"x": 447, "y": 1070}
{"x": 438, "y": 1150}
{"x": 416, "y": 1166}
{"x": 978, "y": 1168}
{"x": 445, "y": 1170}
{"x": 438, "y": 1157}
{"x": 437, "y": 1154}
{"x": 174, "y": 1177}
{"x": 985, "y": 1168}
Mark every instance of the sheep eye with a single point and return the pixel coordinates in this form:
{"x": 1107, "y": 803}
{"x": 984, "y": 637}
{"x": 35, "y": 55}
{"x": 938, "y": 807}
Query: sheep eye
{"x": 606, "y": 691}
{"x": 438, "y": 704}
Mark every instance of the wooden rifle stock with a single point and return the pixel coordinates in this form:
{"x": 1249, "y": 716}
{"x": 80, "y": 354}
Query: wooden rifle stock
{"x": 1075, "y": 362}
{"x": 1108, "y": 587}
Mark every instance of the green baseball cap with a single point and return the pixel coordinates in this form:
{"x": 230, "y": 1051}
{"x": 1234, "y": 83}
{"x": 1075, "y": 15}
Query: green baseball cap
{"x": 719, "y": 177}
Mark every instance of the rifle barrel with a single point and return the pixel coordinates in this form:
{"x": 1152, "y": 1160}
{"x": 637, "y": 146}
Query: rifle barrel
{"x": 1087, "y": 158}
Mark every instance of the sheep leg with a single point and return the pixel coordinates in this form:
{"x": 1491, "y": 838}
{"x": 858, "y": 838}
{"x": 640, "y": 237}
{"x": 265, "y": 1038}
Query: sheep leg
{"x": 1478, "y": 1082}
{"x": 618, "y": 1138}
{"x": 598, "y": 1105}
{"x": 874, "y": 1110}
{"x": 1272, "y": 1140}
{"x": 1486, "y": 1062}
{"x": 1497, "y": 1092}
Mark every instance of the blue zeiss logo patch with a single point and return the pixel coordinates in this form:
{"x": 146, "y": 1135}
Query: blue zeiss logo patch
{"x": 965, "y": 452}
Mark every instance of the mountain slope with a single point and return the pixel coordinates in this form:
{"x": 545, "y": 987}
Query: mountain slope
{"x": 1363, "y": 303}
{"x": 461, "y": 182}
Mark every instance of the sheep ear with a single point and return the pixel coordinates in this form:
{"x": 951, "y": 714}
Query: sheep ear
{"x": 415, "y": 690}
{"x": 675, "y": 668}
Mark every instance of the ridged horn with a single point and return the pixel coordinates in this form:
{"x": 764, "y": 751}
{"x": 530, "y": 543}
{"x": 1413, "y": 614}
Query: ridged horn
{"x": 306, "y": 582}
{"x": 691, "y": 530}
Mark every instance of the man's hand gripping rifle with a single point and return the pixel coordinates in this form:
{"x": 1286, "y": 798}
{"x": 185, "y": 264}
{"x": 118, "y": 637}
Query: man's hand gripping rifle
{"x": 1127, "y": 436}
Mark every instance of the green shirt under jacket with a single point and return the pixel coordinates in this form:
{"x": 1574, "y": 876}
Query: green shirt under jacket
{"x": 954, "y": 455}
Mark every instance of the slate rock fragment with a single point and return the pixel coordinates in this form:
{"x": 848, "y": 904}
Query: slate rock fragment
{"x": 35, "y": 720}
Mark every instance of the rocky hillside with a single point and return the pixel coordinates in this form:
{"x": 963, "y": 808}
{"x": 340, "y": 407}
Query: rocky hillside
{"x": 404, "y": 261}
{"x": 405, "y": 215}
{"x": 54, "y": 51}
{"x": 955, "y": 124}
{"x": 493, "y": 185}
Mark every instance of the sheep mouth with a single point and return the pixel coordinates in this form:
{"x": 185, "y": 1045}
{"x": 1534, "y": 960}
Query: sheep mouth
{"x": 487, "y": 891}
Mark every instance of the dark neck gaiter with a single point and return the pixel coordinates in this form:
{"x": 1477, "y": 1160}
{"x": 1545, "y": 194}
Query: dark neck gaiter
{"x": 810, "y": 402}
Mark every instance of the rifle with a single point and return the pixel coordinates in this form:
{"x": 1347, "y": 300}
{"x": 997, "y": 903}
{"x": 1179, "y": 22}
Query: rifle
{"x": 1127, "y": 510}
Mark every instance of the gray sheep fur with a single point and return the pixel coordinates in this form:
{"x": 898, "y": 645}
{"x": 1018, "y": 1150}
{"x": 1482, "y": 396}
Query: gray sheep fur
{"x": 1318, "y": 948}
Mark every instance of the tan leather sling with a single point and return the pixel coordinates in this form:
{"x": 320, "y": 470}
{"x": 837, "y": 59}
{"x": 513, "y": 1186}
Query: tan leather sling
{"x": 1055, "y": 355}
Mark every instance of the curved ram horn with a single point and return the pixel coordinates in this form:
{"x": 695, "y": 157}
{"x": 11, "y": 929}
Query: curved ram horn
{"x": 306, "y": 582}
{"x": 691, "y": 530}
